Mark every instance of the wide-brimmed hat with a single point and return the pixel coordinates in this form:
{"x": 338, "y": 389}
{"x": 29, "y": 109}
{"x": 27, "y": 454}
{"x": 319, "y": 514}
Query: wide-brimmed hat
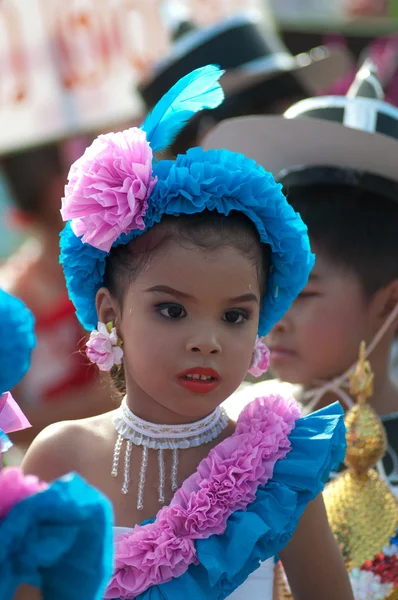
{"x": 252, "y": 54}
{"x": 350, "y": 139}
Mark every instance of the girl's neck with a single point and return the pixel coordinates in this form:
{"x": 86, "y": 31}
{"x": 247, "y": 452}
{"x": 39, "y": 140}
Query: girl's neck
{"x": 148, "y": 409}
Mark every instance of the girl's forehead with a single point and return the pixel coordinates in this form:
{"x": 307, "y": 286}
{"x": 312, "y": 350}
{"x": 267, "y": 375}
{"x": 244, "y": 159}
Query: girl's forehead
{"x": 184, "y": 266}
{"x": 185, "y": 255}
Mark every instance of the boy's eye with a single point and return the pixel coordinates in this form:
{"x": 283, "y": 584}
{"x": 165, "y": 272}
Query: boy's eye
{"x": 235, "y": 316}
{"x": 305, "y": 294}
{"x": 172, "y": 311}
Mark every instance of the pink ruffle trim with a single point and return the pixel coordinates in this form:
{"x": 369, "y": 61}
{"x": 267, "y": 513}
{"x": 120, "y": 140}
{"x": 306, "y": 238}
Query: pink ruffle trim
{"x": 225, "y": 481}
{"x": 15, "y": 486}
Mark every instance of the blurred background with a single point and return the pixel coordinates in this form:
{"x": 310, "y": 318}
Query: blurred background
{"x": 71, "y": 70}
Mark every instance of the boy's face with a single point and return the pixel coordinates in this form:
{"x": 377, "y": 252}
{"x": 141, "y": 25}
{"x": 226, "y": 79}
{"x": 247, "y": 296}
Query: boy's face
{"x": 319, "y": 337}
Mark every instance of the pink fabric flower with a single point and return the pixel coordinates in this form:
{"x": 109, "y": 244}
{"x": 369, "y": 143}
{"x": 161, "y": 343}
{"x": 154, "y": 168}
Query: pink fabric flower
{"x": 148, "y": 556}
{"x": 260, "y": 359}
{"x": 15, "y": 486}
{"x": 225, "y": 481}
{"x": 103, "y": 347}
{"x": 11, "y": 416}
{"x": 108, "y": 188}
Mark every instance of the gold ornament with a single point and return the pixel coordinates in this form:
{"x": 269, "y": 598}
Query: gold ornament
{"x": 362, "y": 510}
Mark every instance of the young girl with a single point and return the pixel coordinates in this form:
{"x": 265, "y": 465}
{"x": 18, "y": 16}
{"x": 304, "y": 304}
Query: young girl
{"x": 45, "y": 530}
{"x": 182, "y": 264}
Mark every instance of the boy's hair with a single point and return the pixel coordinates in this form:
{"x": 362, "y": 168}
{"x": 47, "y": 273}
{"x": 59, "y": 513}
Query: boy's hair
{"x": 208, "y": 230}
{"x": 28, "y": 173}
{"x": 264, "y": 98}
{"x": 356, "y": 229}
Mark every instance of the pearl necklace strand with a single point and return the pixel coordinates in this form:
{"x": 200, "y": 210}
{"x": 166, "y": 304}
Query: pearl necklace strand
{"x": 133, "y": 430}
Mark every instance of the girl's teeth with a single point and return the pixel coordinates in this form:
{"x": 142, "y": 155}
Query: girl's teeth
{"x": 197, "y": 377}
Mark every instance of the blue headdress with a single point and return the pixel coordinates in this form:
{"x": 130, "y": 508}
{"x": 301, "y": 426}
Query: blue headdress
{"x": 116, "y": 192}
{"x": 18, "y": 341}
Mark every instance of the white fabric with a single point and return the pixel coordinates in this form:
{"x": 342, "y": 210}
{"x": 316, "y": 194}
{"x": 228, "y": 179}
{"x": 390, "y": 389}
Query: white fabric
{"x": 258, "y": 586}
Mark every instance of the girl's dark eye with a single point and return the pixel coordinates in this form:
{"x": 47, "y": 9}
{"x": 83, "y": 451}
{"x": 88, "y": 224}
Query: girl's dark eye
{"x": 172, "y": 311}
{"x": 235, "y": 316}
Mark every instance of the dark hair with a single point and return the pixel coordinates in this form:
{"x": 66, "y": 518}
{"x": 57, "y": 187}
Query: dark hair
{"x": 354, "y": 228}
{"x": 28, "y": 173}
{"x": 208, "y": 230}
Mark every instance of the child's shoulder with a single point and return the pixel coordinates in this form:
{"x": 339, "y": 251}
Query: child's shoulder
{"x": 66, "y": 446}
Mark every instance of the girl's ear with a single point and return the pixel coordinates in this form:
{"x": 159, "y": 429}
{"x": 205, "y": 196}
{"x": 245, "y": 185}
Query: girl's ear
{"x": 107, "y": 306}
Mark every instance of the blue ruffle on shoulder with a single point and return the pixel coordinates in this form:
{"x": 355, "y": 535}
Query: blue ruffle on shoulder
{"x": 59, "y": 540}
{"x": 318, "y": 446}
{"x": 17, "y": 340}
{"x": 214, "y": 180}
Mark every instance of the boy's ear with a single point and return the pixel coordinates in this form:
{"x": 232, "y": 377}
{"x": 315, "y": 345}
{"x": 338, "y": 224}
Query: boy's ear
{"x": 386, "y": 299}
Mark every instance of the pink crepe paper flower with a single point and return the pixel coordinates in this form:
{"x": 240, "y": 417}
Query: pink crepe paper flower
{"x": 15, "y": 486}
{"x": 260, "y": 359}
{"x": 108, "y": 188}
{"x": 151, "y": 556}
{"x": 103, "y": 347}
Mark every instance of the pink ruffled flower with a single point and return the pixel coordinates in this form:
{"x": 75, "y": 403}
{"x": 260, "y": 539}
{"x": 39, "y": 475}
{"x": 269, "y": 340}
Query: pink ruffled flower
{"x": 15, "y": 486}
{"x": 260, "y": 359}
{"x": 103, "y": 347}
{"x": 268, "y": 412}
{"x": 108, "y": 188}
{"x": 149, "y": 555}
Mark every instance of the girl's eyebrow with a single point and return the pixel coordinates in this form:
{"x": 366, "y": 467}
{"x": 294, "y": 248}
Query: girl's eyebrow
{"x": 165, "y": 289}
{"x": 245, "y": 298}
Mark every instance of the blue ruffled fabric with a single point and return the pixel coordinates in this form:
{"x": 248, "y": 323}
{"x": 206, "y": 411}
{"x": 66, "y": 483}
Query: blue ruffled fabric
{"x": 84, "y": 268}
{"x": 318, "y": 446}
{"x": 17, "y": 340}
{"x": 200, "y": 180}
{"x": 59, "y": 540}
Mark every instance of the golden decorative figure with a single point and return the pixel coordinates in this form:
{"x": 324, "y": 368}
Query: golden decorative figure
{"x": 366, "y": 437}
{"x": 362, "y": 510}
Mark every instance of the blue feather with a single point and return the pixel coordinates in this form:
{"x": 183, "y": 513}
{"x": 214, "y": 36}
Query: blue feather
{"x": 196, "y": 91}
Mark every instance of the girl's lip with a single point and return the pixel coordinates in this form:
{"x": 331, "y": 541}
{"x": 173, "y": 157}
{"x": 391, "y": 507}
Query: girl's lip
{"x": 200, "y": 371}
{"x": 196, "y": 386}
{"x": 199, "y": 386}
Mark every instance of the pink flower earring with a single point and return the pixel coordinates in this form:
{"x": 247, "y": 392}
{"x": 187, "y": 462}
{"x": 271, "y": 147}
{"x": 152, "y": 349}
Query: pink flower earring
{"x": 260, "y": 359}
{"x": 104, "y": 347}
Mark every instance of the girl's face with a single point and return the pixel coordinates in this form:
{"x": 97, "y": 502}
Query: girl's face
{"x": 188, "y": 323}
{"x": 319, "y": 337}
